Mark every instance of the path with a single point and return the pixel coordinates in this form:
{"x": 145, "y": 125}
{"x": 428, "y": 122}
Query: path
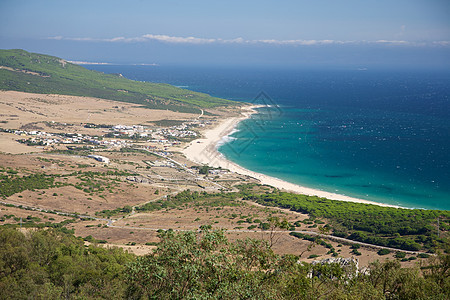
{"x": 110, "y": 222}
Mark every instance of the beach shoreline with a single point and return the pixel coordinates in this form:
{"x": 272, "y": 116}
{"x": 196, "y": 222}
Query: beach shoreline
{"x": 204, "y": 151}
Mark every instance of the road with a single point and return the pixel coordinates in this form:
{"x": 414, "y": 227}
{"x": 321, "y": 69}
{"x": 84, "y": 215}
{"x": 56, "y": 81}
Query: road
{"x": 185, "y": 168}
{"x": 110, "y": 223}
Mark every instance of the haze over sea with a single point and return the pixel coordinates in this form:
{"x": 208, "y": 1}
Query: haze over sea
{"x": 378, "y": 135}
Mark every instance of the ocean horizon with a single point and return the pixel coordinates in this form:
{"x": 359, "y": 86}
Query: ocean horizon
{"x": 380, "y": 135}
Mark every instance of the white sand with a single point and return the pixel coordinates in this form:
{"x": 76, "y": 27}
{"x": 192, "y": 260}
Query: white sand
{"x": 204, "y": 151}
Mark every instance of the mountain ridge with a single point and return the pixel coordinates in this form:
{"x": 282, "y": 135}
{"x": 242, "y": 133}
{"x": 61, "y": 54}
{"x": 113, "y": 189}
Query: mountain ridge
{"x": 44, "y": 74}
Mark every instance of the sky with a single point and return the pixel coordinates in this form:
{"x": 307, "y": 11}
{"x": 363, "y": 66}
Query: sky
{"x": 319, "y": 33}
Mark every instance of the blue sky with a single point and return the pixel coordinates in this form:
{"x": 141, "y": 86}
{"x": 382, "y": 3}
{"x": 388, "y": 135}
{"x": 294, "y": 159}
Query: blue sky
{"x": 315, "y": 33}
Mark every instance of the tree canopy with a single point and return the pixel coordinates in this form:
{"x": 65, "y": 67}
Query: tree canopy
{"x": 49, "y": 264}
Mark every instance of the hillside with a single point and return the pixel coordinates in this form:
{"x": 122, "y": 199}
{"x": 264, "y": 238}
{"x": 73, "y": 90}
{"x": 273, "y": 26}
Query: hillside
{"x": 53, "y": 264}
{"x": 43, "y": 74}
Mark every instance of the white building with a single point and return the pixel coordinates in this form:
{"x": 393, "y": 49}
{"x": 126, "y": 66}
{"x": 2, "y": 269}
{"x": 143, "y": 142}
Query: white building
{"x": 100, "y": 158}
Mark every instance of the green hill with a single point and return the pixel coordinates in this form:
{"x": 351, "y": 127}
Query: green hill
{"x": 43, "y": 74}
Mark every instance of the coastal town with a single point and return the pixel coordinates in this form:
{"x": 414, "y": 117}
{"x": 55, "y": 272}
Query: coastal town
{"x": 112, "y": 136}
{"x": 166, "y": 167}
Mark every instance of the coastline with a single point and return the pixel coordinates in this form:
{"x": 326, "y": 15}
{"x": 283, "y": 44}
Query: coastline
{"x": 204, "y": 151}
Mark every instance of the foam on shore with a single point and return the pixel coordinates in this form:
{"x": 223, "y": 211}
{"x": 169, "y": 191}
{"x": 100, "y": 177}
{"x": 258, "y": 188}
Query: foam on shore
{"x": 204, "y": 151}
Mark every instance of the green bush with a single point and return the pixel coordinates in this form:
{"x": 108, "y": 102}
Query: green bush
{"x": 383, "y": 252}
{"x": 356, "y": 252}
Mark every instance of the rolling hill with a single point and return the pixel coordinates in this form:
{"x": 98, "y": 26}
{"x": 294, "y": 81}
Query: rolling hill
{"x": 38, "y": 73}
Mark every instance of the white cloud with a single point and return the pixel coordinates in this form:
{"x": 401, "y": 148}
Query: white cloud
{"x": 238, "y": 40}
{"x": 87, "y": 39}
{"x": 393, "y": 42}
{"x": 177, "y": 39}
{"x": 442, "y": 43}
{"x": 59, "y": 38}
{"x": 117, "y": 39}
{"x": 199, "y": 41}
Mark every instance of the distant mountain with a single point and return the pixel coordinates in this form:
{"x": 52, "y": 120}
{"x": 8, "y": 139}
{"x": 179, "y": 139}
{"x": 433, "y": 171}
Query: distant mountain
{"x": 38, "y": 73}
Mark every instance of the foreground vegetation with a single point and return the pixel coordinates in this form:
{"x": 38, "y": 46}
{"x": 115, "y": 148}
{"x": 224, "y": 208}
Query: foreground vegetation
{"x": 50, "y": 264}
{"x": 43, "y": 74}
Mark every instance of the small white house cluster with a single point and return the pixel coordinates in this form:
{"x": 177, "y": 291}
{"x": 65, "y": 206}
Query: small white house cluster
{"x": 131, "y": 130}
{"x": 160, "y": 135}
{"x": 70, "y": 138}
{"x": 166, "y": 136}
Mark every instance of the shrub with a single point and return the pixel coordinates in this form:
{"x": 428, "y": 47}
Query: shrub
{"x": 383, "y": 252}
{"x": 423, "y": 255}
{"x": 356, "y": 252}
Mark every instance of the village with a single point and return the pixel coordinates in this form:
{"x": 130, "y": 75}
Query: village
{"x": 170, "y": 169}
{"x": 116, "y": 136}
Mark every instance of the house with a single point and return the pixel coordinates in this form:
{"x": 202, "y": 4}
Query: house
{"x": 100, "y": 158}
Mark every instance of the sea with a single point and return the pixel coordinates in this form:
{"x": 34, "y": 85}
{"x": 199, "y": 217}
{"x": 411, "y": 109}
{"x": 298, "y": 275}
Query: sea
{"x": 379, "y": 135}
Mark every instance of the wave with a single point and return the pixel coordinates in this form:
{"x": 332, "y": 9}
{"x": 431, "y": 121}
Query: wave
{"x": 226, "y": 139}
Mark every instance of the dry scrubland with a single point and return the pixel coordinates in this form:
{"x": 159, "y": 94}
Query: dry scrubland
{"x": 101, "y": 201}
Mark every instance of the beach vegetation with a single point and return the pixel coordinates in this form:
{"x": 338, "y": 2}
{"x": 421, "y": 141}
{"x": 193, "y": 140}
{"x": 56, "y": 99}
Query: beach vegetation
{"x": 407, "y": 229}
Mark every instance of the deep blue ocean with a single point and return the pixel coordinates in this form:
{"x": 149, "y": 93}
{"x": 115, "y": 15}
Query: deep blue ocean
{"x": 378, "y": 135}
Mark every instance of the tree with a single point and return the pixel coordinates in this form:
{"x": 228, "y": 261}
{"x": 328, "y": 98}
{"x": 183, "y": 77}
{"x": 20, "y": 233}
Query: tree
{"x": 49, "y": 264}
{"x": 395, "y": 282}
{"x": 204, "y": 265}
{"x": 437, "y": 267}
{"x": 204, "y": 170}
{"x": 127, "y": 209}
{"x": 273, "y": 225}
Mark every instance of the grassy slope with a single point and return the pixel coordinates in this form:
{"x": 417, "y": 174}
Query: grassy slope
{"x": 56, "y": 76}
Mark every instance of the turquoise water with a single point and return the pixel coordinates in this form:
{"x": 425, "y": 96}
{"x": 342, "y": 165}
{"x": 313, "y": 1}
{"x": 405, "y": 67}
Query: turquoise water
{"x": 327, "y": 151}
{"x": 383, "y": 136}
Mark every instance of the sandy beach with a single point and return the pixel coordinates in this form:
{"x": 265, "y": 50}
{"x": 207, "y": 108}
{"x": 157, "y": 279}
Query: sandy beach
{"x": 204, "y": 151}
